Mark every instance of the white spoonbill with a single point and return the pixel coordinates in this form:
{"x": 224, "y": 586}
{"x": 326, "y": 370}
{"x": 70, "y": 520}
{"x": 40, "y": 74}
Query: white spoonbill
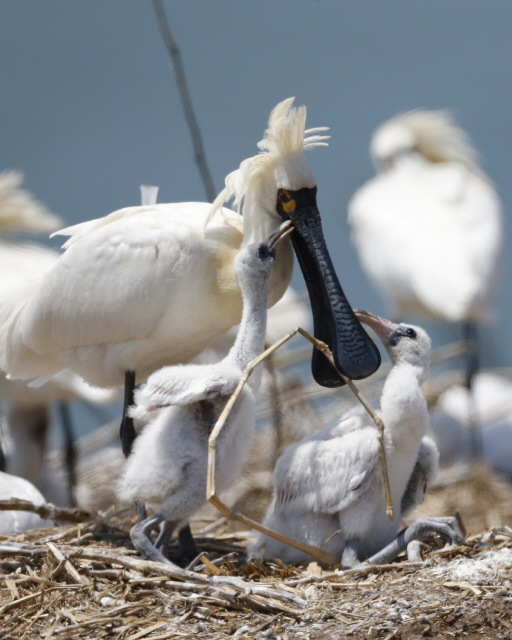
{"x": 428, "y": 227}
{"x": 328, "y": 488}
{"x": 169, "y": 461}
{"x": 150, "y": 286}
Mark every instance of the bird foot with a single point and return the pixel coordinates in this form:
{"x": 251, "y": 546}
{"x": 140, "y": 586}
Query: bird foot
{"x": 139, "y": 535}
{"x": 423, "y": 528}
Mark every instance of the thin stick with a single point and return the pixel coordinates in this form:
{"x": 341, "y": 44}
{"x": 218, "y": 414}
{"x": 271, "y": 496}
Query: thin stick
{"x": 47, "y": 511}
{"x": 195, "y": 132}
{"x": 314, "y": 552}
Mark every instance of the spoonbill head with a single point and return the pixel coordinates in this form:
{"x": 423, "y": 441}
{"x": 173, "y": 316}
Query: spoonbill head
{"x": 280, "y": 182}
{"x": 404, "y": 343}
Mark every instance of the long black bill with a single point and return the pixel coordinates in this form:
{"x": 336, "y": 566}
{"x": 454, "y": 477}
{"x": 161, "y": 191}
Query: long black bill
{"x": 354, "y": 353}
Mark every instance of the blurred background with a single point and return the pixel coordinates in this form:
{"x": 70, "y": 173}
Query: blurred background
{"x": 89, "y": 106}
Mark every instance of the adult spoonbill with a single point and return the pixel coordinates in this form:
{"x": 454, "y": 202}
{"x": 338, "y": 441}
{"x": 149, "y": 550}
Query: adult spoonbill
{"x": 428, "y": 227}
{"x": 328, "y": 488}
{"x": 150, "y": 286}
{"x": 169, "y": 461}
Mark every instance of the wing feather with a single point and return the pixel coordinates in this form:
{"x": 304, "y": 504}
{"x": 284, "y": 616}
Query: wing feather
{"x": 327, "y": 472}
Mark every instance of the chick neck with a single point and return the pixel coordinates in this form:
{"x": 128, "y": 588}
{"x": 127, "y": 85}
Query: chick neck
{"x": 250, "y": 339}
{"x": 403, "y": 406}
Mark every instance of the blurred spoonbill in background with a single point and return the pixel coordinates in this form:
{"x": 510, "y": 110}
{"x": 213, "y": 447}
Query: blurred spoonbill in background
{"x": 26, "y": 408}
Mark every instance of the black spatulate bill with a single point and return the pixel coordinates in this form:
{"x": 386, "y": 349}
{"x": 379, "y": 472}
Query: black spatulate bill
{"x": 355, "y": 355}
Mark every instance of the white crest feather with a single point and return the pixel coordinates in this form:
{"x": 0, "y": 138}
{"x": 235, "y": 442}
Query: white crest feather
{"x": 435, "y": 135}
{"x": 281, "y": 163}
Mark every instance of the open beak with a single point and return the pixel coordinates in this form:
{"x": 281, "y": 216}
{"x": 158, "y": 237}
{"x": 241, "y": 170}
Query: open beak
{"x": 355, "y": 355}
{"x": 382, "y": 327}
{"x": 279, "y": 234}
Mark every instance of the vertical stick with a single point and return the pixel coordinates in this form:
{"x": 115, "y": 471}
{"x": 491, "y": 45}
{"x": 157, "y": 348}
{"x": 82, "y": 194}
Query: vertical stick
{"x": 195, "y": 132}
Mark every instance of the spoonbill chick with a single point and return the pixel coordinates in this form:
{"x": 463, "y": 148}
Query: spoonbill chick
{"x": 168, "y": 463}
{"x": 128, "y": 296}
{"x": 328, "y": 488}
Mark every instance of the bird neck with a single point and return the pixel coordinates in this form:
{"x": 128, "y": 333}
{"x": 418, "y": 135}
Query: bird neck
{"x": 250, "y": 340}
{"x": 404, "y": 409}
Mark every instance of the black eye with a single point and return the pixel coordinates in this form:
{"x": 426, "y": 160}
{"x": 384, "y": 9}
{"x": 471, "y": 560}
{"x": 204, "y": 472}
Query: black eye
{"x": 410, "y": 333}
{"x": 283, "y": 197}
{"x": 264, "y": 251}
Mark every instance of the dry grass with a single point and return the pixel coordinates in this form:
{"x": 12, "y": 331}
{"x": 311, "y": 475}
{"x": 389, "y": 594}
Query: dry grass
{"x": 85, "y": 581}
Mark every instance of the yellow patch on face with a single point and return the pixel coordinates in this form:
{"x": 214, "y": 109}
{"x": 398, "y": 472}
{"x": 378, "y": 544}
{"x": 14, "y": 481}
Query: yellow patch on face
{"x": 289, "y": 206}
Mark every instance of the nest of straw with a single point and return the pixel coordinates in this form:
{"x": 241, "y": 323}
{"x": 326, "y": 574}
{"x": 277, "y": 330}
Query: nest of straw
{"x": 84, "y": 580}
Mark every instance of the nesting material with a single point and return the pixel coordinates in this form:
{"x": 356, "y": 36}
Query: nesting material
{"x": 85, "y": 581}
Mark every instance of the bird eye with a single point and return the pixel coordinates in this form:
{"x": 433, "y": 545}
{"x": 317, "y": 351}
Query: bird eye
{"x": 410, "y": 333}
{"x": 264, "y": 251}
{"x": 283, "y": 197}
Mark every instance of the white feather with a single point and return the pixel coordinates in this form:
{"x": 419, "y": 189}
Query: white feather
{"x": 428, "y": 229}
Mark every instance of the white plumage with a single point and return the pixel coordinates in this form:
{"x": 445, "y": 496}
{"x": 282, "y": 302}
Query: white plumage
{"x": 328, "y": 488}
{"x": 154, "y": 285}
{"x": 169, "y": 460}
{"x": 19, "y": 210}
{"x": 428, "y": 227}
{"x": 26, "y": 407}
{"x": 450, "y": 422}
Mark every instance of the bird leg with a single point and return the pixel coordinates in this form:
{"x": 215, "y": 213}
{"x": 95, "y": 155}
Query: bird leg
{"x": 140, "y": 508}
{"x": 350, "y": 556}
{"x": 187, "y": 549}
{"x": 139, "y": 535}
{"x": 421, "y": 529}
{"x": 127, "y": 430}
{"x": 471, "y": 337}
{"x": 69, "y": 448}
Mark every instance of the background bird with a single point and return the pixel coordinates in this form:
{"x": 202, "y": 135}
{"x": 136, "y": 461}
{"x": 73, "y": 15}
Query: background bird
{"x": 169, "y": 462}
{"x": 328, "y": 488}
{"x": 428, "y": 227}
{"x": 26, "y": 409}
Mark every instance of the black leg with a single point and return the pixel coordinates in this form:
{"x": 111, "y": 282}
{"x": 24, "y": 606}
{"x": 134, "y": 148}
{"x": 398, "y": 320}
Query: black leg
{"x": 3, "y": 461}
{"x": 127, "y": 430}
{"x": 473, "y": 366}
{"x": 69, "y": 448}
{"x": 187, "y": 550}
